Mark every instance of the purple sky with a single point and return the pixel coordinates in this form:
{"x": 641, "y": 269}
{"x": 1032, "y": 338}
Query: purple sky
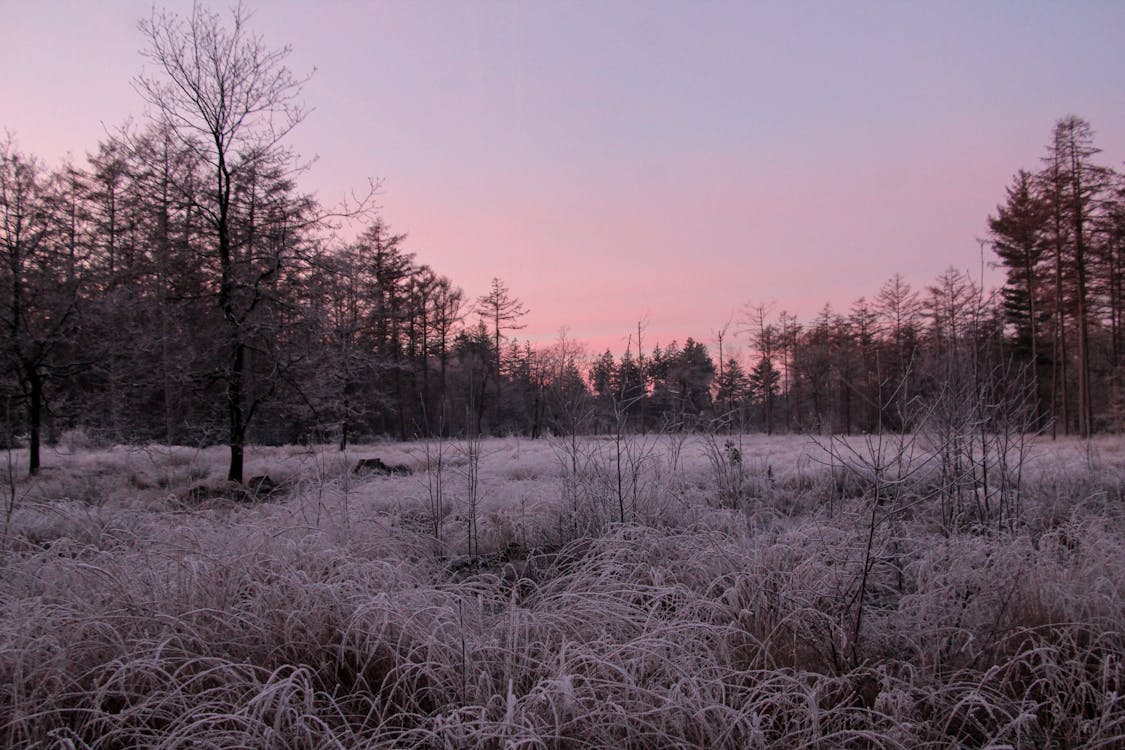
{"x": 626, "y": 160}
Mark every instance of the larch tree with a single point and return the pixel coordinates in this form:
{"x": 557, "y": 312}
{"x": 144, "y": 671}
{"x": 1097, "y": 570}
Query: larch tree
{"x": 789, "y": 331}
{"x": 337, "y": 296}
{"x": 897, "y": 306}
{"x": 176, "y": 287}
{"x": 119, "y": 315}
{"x": 421, "y": 288}
{"x": 1052, "y": 180}
{"x": 39, "y": 278}
{"x": 1082, "y": 185}
{"x": 765, "y": 338}
{"x": 388, "y": 268}
{"x": 1018, "y": 239}
{"x": 864, "y": 324}
{"x": 502, "y": 312}
{"x": 231, "y": 101}
{"x": 448, "y": 303}
{"x": 1113, "y": 287}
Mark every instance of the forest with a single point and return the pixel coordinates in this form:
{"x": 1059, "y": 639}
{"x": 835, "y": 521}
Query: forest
{"x": 179, "y": 286}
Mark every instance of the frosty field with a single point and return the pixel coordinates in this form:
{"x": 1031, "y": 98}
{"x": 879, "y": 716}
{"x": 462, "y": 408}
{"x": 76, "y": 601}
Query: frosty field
{"x": 656, "y": 592}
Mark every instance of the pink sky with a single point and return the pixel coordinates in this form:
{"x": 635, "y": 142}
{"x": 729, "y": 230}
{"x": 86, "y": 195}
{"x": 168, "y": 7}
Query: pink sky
{"x": 641, "y": 160}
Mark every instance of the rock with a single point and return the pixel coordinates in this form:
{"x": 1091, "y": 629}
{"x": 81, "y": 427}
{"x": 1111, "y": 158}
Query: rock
{"x": 256, "y": 488}
{"x": 208, "y": 491}
{"x": 262, "y": 486}
{"x": 377, "y": 467}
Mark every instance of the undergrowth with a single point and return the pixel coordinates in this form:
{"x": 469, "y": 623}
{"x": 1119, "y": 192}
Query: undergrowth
{"x": 341, "y": 615}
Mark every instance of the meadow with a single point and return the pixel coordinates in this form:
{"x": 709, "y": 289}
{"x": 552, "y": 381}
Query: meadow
{"x": 659, "y": 591}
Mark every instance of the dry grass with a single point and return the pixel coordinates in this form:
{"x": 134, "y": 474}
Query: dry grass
{"x": 341, "y": 613}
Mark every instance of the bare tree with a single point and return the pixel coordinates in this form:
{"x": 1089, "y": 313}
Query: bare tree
{"x": 230, "y": 100}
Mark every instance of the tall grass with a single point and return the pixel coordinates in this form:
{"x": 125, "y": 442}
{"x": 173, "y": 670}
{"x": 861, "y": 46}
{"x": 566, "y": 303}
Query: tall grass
{"x": 327, "y": 617}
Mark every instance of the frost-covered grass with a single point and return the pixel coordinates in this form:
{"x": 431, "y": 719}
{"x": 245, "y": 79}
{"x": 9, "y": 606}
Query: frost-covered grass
{"x": 357, "y": 611}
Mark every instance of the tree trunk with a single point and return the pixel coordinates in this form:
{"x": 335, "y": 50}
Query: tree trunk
{"x": 164, "y": 255}
{"x": 1059, "y": 370}
{"x": 34, "y": 419}
{"x": 1085, "y": 409}
{"x": 499, "y": 384}
{"x": 237, "y": 416}
{"x": 344, "y": 434}
{"x": 1033, "y": 314}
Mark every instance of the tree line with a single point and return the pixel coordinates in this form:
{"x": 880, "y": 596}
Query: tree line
{"x": 180, "y": 287}
{"x": 1052, "y": 333}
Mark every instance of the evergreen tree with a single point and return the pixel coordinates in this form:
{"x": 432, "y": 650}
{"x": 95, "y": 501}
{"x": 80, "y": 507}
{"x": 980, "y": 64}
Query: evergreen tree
{"x": 763, "y": 381}
{"x": 731, "y": 391}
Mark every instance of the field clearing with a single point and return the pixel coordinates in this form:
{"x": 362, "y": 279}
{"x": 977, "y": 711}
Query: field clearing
{"x": 653, "y": 591}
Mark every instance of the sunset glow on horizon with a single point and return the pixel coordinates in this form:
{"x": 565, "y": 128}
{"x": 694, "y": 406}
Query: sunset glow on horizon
{"x": 657, "y": 162}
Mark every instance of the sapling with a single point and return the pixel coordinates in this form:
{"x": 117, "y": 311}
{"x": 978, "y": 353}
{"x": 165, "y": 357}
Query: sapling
{"x": 472, "y": 480}
{"x": 434, "y": 449}
{"x": 726, "y": 459}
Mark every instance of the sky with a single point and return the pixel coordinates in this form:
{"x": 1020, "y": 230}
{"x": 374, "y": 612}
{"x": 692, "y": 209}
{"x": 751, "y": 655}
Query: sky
{"x": 620, "y": 162}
